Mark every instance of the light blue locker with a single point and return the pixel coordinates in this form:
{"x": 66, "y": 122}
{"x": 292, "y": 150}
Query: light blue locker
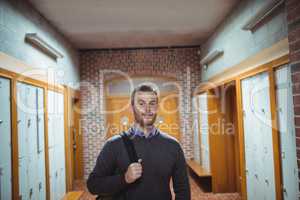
{"x": 40, "y": 144}
{"x": 57, "y": 145}
{"x": 284, "y": 99}
{"x": 204, "y": 134}
{"x": 30, "y": 135}
{"x": 196, "y": 131}
{"x": 5, "y": 140}
{"x": 258, "y": 138}
{"x": 61, "y": 145}
{"x": 23, "y": 140}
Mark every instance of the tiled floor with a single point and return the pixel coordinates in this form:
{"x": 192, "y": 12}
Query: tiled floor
{"x": 196, "y": 191}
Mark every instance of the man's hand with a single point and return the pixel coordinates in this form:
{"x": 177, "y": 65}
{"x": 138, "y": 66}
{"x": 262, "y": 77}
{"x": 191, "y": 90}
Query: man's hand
{"x": 134, "y": 172}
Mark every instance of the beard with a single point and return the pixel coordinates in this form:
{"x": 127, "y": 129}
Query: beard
{"x": 144, "y": 119}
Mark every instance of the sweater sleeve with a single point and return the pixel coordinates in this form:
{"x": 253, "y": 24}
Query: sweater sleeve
{"x": 180, "y": 178}
{"x": 102, "y": 181}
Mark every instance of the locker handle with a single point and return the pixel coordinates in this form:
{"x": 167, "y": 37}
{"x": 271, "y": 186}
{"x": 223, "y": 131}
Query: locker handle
{"x": 30, "y": 193}
{"x": 284, "y": 190}
{"x": 1, "y": 121}
{"x": 267, "y": 181}
{"x": 40, "y": 186}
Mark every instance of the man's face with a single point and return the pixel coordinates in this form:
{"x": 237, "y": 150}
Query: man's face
{"x": 145, "y": 108}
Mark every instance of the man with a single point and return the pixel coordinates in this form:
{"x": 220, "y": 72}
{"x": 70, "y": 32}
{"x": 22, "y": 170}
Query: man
{"x": 160, "y": 159}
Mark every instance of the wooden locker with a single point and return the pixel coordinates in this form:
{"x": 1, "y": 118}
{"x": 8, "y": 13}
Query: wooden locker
{"x": 5, "y": 141}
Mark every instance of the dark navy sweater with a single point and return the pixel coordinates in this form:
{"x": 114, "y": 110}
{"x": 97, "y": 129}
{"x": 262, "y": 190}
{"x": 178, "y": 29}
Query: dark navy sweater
{"x": 162, "y": 159}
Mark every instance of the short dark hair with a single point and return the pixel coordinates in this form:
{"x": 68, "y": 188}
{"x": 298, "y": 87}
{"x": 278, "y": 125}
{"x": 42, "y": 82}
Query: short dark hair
{"x": 142, "y": 88}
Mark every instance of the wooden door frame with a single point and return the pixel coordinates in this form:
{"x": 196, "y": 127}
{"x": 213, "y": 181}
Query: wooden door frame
{"x": 14, "y": 79}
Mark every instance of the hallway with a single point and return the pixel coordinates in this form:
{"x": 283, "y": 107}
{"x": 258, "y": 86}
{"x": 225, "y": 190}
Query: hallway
{"x": 204, "y": 93}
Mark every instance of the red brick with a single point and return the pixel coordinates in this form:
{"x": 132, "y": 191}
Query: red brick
{"x": 295, "y": 46}
{"x": 293, "y": 13}
{"x": 296, "y": 88}
{"x": 298, "y": 142}
{"x": 295, "y": 67}
{"x": 291, "y": 2}
{"x": 297, "y": 123}
{"x": 295, "y": 56}
{"x": 294, "y": 25}
{"x": 297, "y": 110}
{"x": 298, "y": 132}
{"x": 294, "y": 35}
{"x": 298, "y": 153}
{"x": 296, "y": 77}
{"x": 296, "y": 100}
{"x": 290, "y": 5}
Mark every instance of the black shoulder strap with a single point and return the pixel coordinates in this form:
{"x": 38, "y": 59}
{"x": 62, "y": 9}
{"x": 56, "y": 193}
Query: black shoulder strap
{"x": 130, "y": 148}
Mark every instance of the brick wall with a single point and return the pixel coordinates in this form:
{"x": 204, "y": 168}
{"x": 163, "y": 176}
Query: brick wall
{"x": 293, "y": 18}
{"x": 179, "y": 63}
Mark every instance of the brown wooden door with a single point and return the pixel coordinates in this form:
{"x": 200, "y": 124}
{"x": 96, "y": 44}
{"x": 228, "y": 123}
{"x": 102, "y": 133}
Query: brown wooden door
{"x": 119, "y": 109}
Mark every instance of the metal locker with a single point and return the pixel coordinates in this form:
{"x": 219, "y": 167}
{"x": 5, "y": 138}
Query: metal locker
{"x": 204, "y": 134}
{"x": 41, "y": 183}
{"x": 31, "y": 157}
{"x": 57, "y": 145}
{"x": 284, "y": 99}
{"x": 5, "y": 141}
{"x": 22, "y": 102}
{"x": 250, "y": 149}
{"x": 258, "y": 140}
{"x": 51, "y": 119}
{"x": 52, "y": 177}
{"x": 196, "y": 131}
{"x": 61, "y": 145}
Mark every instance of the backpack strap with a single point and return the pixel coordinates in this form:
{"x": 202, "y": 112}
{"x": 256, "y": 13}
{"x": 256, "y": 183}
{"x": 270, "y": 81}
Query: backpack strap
{"x": 129, "y": 148}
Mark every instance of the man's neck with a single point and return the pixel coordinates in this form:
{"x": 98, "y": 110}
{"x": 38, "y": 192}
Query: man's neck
{"x": 145, "y": 129}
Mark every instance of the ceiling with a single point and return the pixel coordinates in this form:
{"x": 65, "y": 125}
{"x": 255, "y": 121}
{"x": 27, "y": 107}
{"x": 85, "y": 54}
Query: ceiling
{"x": 98, "y": 24}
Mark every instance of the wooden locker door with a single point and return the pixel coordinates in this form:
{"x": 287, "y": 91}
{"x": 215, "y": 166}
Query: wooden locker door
{"x": 285, "y": 112}
{"x": 5, "y": 141}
